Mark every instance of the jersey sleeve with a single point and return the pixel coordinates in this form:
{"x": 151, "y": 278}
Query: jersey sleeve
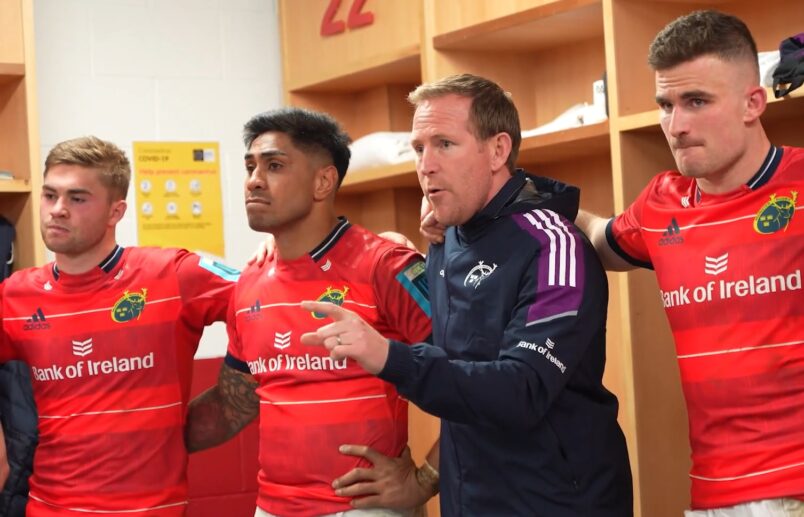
{"x": 555, "y": 332}
{"x": 234, "y": 351}
{"x": 624, "y": 233}
{"x": 206, "y": 287}
{"x": 400, "y": 284}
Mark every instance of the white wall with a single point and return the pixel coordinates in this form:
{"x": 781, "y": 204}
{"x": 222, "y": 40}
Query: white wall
{"x": 175, "y": 70}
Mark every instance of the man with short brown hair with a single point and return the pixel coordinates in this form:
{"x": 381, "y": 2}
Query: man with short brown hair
{"x": 519, "y": 304}
{"x": 109, "y": 334}
{"x": 722, "y": 235}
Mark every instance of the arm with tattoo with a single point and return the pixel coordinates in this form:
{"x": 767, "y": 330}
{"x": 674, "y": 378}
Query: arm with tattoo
{"x": 222, "y": 411}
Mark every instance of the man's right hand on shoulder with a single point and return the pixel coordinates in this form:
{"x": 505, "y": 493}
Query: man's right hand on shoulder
{"x": 429, "y": 227}
{"x": 264, "y": 251}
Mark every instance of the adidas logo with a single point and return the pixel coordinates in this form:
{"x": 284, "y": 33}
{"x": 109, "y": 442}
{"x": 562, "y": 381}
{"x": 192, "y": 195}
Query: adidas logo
{"x": 37, "y": 321}
{"x": 672, "y": 235}
{"x": 254, "y": 312}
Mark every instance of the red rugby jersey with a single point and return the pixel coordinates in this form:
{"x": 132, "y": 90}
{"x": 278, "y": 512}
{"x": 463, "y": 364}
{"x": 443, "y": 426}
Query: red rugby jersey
{"x": 111, "y": 355}
{"x": 729, "y": 269}
{"x": 310, "y": 404}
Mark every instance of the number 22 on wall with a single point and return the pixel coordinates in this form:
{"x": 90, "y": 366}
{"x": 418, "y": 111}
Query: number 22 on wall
{"x": 357, "y": 18}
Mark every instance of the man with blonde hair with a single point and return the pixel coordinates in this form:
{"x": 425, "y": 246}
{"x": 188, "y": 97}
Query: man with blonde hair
{"x": 109, "y": 334}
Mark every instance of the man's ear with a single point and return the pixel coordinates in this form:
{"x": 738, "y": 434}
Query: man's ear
{"x": 755, "y": 103}
{"x": 326, "y": 182}
{"x": 117, "y": 211}
{"x": 500, "y": 146}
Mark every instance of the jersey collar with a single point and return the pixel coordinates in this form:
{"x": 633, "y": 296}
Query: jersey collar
{"x": 106, "y": 265}
{"x": 762, "y": 176}
{"x": 330, "y": 240}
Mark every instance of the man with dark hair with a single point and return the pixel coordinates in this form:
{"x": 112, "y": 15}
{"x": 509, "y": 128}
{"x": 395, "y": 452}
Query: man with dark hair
{"x": 519, "y": 318}
{"x": 733, "y": 198}
{"x": 109, "y": 334}
{"x": 312, "y": 132}
{"x": 310, "y": 404}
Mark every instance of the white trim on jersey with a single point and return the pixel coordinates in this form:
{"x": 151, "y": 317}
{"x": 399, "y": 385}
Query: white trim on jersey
{"x": 769, "y": 161}
{"x": 296, "y": 304}
{"x": 323, "y": 401}
{"x": 86, "y": 510}
{"x": 750, "y": 474}
{"x": 737, "y": 350}
{"x": 556, "y": 230}
{"x": 713, "y": 223}
{"x": 90, "y": 311}
{"x": 113, "y": 411}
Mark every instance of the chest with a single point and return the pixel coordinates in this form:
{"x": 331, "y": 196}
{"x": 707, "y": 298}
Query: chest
{"x": 474, "y": 293}
{"x": 269, "y": 321}
{"x": 116, "y": 327}
{"x": 739, "y": 261}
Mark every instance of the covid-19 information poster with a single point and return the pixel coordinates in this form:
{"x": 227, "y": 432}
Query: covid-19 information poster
{"x": 178, "y": 195}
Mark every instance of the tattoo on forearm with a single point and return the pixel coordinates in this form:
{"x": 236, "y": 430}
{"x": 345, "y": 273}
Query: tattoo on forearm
{"x": 222, "y": 411}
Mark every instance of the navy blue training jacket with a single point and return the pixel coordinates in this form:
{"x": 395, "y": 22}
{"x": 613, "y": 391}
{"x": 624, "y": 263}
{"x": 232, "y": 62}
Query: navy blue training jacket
{"x": 519, "y": 303}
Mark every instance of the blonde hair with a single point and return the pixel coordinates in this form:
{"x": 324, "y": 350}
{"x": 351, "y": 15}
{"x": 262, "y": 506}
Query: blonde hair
{"x": 92, "y": 152}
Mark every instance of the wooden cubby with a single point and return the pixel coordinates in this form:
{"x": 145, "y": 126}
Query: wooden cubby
{"x": 19, "y": 140}
{"x": 547, "y": 53}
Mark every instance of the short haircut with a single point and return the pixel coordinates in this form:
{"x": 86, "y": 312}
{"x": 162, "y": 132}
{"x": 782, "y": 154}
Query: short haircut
{"x": 703, "y": 33}
{"x": 310, "y": 131}
{"x": 92, "y": 152}
{"x": 492, "y": 110}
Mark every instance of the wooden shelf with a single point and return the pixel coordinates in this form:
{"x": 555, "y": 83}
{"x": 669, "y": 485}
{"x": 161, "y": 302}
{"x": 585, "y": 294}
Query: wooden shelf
{"x": 591, "y": 140}
{"x": 577, "y": 142}
{"x": 789, "y": 106}
{"x": 11, "y": 72}
{"x": 645, "y": 121}
{"x": 378, "y": 178}
{"x": 400, "y": 68}
{"x": 547, "y": 54}
{"x": 15, "y": 186}
{"x": 545, "y": 26}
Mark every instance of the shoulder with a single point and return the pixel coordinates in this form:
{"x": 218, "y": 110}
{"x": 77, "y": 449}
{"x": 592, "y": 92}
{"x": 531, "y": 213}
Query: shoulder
{"x": 374, "y": 248}
{"x": 668, "y": 188}
{"x": 793, "y": 162}
{"x": 541, "y": 226}
{"x": 24, "y": 277}
{"x": 153, "y": 254}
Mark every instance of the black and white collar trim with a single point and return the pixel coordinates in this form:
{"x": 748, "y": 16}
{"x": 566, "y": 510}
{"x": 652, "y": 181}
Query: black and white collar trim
{"x": 765, "y": 172}
{"x": 107, "y": 264}
{"x": 330, "y": 240}
{"x": 762, "y": 176}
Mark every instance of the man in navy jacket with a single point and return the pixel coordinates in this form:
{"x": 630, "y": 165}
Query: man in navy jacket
{"x": 519, "y": 303}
